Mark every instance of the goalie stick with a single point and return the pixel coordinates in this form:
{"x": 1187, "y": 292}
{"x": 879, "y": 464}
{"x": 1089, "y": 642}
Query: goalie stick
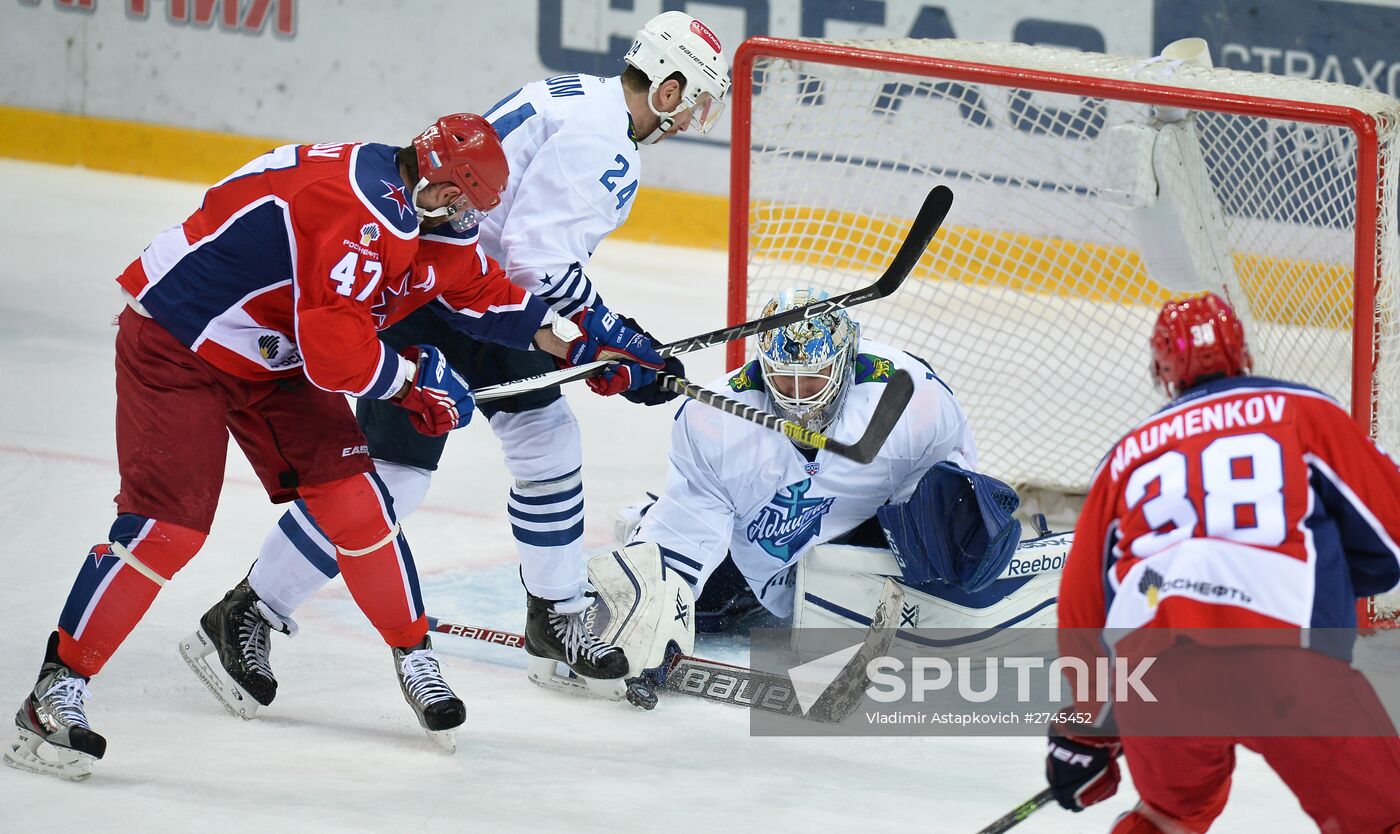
{"x": 916, "y": 241}
{"x": 739, "y": 685}
{"x": 888, "y": 410}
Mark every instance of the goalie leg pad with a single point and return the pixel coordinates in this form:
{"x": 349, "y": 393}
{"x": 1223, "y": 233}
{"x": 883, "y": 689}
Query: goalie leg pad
{"x": 647, "y": 606}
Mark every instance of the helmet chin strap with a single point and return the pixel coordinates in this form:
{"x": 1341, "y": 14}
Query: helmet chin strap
{"x": 667, "y": 122}
{"x": 424, "y": 214}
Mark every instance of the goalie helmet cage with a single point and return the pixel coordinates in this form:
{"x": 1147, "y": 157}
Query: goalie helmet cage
{"x": 1035, "y": 302}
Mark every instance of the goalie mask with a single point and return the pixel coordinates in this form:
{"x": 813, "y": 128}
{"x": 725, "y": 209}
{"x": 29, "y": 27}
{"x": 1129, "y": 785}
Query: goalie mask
{"x": 808, "y": 365}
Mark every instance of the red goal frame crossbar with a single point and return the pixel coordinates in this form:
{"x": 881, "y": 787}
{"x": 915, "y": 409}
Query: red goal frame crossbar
{"x": 1367, "y": 163}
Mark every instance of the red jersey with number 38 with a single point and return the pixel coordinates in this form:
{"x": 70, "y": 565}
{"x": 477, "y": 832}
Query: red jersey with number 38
{"x": 1248, "y": 502}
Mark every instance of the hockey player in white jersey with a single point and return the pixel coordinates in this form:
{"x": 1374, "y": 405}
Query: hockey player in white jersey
{"x": 743, "y": 505}
{"x": 572, "y": 145}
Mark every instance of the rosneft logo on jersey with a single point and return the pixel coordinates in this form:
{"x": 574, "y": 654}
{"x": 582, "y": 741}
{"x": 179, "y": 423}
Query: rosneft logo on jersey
{"x": 1150, "y": 586}
{"x": 369, "y": 233}
{"x": 267, "y": 346}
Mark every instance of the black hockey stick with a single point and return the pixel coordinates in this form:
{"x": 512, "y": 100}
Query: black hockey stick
{"x": 739, "y": 685}
{"x": 1019, "y": 813}
{"x": 709, "y": 679}
{"x": 888, "y": 410}
{"x": 921, "y": 231}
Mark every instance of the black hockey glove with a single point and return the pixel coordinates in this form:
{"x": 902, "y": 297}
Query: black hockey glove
{"x": 1082, "y": 770}
{"x": 652, "y": 393}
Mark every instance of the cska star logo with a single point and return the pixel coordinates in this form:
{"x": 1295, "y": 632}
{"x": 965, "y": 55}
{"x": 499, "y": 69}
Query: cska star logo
{"x": 395, "y": 195}
{"x": 369, "y": 233}
{"x": 99, "y": 552}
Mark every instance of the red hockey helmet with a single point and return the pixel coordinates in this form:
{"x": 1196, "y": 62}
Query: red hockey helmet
{"x": 463, "y": 149}
{"x": 1196, "y": 338}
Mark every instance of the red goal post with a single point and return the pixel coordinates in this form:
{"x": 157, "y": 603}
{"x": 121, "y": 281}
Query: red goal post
{"x": 1034, "y": 301}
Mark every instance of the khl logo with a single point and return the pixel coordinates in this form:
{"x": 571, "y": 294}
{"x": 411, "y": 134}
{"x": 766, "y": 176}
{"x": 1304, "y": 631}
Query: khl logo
{"x": 789, "y": 521}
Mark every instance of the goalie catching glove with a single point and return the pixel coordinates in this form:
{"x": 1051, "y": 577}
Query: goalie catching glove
{"x": 438, "y": 400}
{"x": 957, "y": 527}
{"x": 600, "y": 334}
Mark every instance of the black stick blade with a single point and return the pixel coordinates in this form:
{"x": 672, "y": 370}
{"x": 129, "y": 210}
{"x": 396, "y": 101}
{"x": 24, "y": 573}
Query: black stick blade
{"x": 898, "y": 391}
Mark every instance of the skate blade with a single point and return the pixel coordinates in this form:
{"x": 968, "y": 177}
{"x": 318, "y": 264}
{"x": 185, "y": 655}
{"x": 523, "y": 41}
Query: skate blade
{"x": 546, "y": 673}
{"x": 445, "y": 739}
{"x": 196, "y": 650}
{"x": 36, "y": 755}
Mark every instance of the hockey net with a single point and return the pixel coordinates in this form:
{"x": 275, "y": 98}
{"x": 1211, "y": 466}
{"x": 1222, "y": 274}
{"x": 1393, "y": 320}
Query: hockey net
{"x": 1035, "y": 302}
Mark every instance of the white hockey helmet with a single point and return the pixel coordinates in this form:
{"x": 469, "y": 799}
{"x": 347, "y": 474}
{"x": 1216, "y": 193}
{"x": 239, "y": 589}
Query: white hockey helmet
{"x": 675, "y": 42}
{"x": 808, "y": 365}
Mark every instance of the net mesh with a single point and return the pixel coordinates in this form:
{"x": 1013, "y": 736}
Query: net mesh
{"x": 1035, "y": 301}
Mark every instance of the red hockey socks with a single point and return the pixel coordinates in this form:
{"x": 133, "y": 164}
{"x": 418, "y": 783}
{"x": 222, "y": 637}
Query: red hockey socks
{"x": 356, "y": 515}
{"x": 117, "y": 582}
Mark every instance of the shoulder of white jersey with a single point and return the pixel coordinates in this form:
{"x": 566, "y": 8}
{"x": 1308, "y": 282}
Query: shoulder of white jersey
{"x": 580, "y": 105}
{"x": 931, "y": 409}
{"x": 374, "y": 177}
{"x": 743, "y": 383}
{"x": 876, "y": 362}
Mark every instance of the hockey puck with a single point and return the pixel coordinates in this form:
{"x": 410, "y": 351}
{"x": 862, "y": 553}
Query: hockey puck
{"x": 640, "y": 695}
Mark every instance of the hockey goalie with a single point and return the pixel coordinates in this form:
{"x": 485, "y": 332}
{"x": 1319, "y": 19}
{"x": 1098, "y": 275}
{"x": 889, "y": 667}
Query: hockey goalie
{"x": 762, "y": 530}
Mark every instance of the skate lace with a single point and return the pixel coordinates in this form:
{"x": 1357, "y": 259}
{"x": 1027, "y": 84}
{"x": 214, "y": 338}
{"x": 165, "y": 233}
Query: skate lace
{"x": 253, "y": 634}
{"x": 65, "y": 701}
{"x": 575, "y": 631}
{"x": 423, "y": 678}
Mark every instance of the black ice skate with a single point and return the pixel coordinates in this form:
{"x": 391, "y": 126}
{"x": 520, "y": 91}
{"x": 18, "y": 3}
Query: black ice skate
{"x": 54, "y": 735}
{"x": 237, "y": 629}
{"x": 420, "y": 677}
{"x": 562, "y": 632}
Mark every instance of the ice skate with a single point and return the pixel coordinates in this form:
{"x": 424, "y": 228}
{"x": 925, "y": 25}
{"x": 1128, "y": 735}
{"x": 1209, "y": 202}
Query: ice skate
{"x": 229, "y": 651}
{"x": 54, "y": 735}
{"x": 438, "y": 709}
{"x": 562, "y": 632}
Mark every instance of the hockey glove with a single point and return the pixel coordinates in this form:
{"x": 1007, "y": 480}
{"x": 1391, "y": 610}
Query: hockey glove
{"x": 1082, "y": 770}
{"x": 651, "y": 393}
{"x": 606, "y": 336}
{"x": 439, "y": 399}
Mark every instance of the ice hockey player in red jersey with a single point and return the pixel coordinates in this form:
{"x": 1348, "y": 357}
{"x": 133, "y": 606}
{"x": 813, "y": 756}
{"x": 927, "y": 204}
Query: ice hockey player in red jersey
{"x": 1250, "y": 505}
{"x": 255, "y": 317}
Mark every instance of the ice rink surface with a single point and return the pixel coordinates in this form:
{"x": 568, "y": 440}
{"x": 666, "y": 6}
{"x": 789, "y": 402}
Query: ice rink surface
{"x": 339, "y": 750}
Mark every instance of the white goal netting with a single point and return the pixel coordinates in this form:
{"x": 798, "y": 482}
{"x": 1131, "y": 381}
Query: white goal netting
{"x": 1035, "y": 301}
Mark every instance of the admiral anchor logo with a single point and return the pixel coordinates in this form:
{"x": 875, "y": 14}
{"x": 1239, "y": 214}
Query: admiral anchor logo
{"x": 789, "y": 521}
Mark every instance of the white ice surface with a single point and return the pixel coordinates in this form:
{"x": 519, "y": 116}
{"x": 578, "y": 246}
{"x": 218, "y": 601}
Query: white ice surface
{"x": 339, "y": 750}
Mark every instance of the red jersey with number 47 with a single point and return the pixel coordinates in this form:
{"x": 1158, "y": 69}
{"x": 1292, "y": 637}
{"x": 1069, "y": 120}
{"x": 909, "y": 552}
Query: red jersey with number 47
{"x": 294, "y": 262}
{"x": 1248, "y": 502}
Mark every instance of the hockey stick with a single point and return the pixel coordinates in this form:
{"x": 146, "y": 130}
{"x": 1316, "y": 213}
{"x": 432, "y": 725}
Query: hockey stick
{"x": 921, "y": 231}
{"x": 888, "y": 410}
{"x": 1019, "y": 813}
{"x": 739, "y": 685}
